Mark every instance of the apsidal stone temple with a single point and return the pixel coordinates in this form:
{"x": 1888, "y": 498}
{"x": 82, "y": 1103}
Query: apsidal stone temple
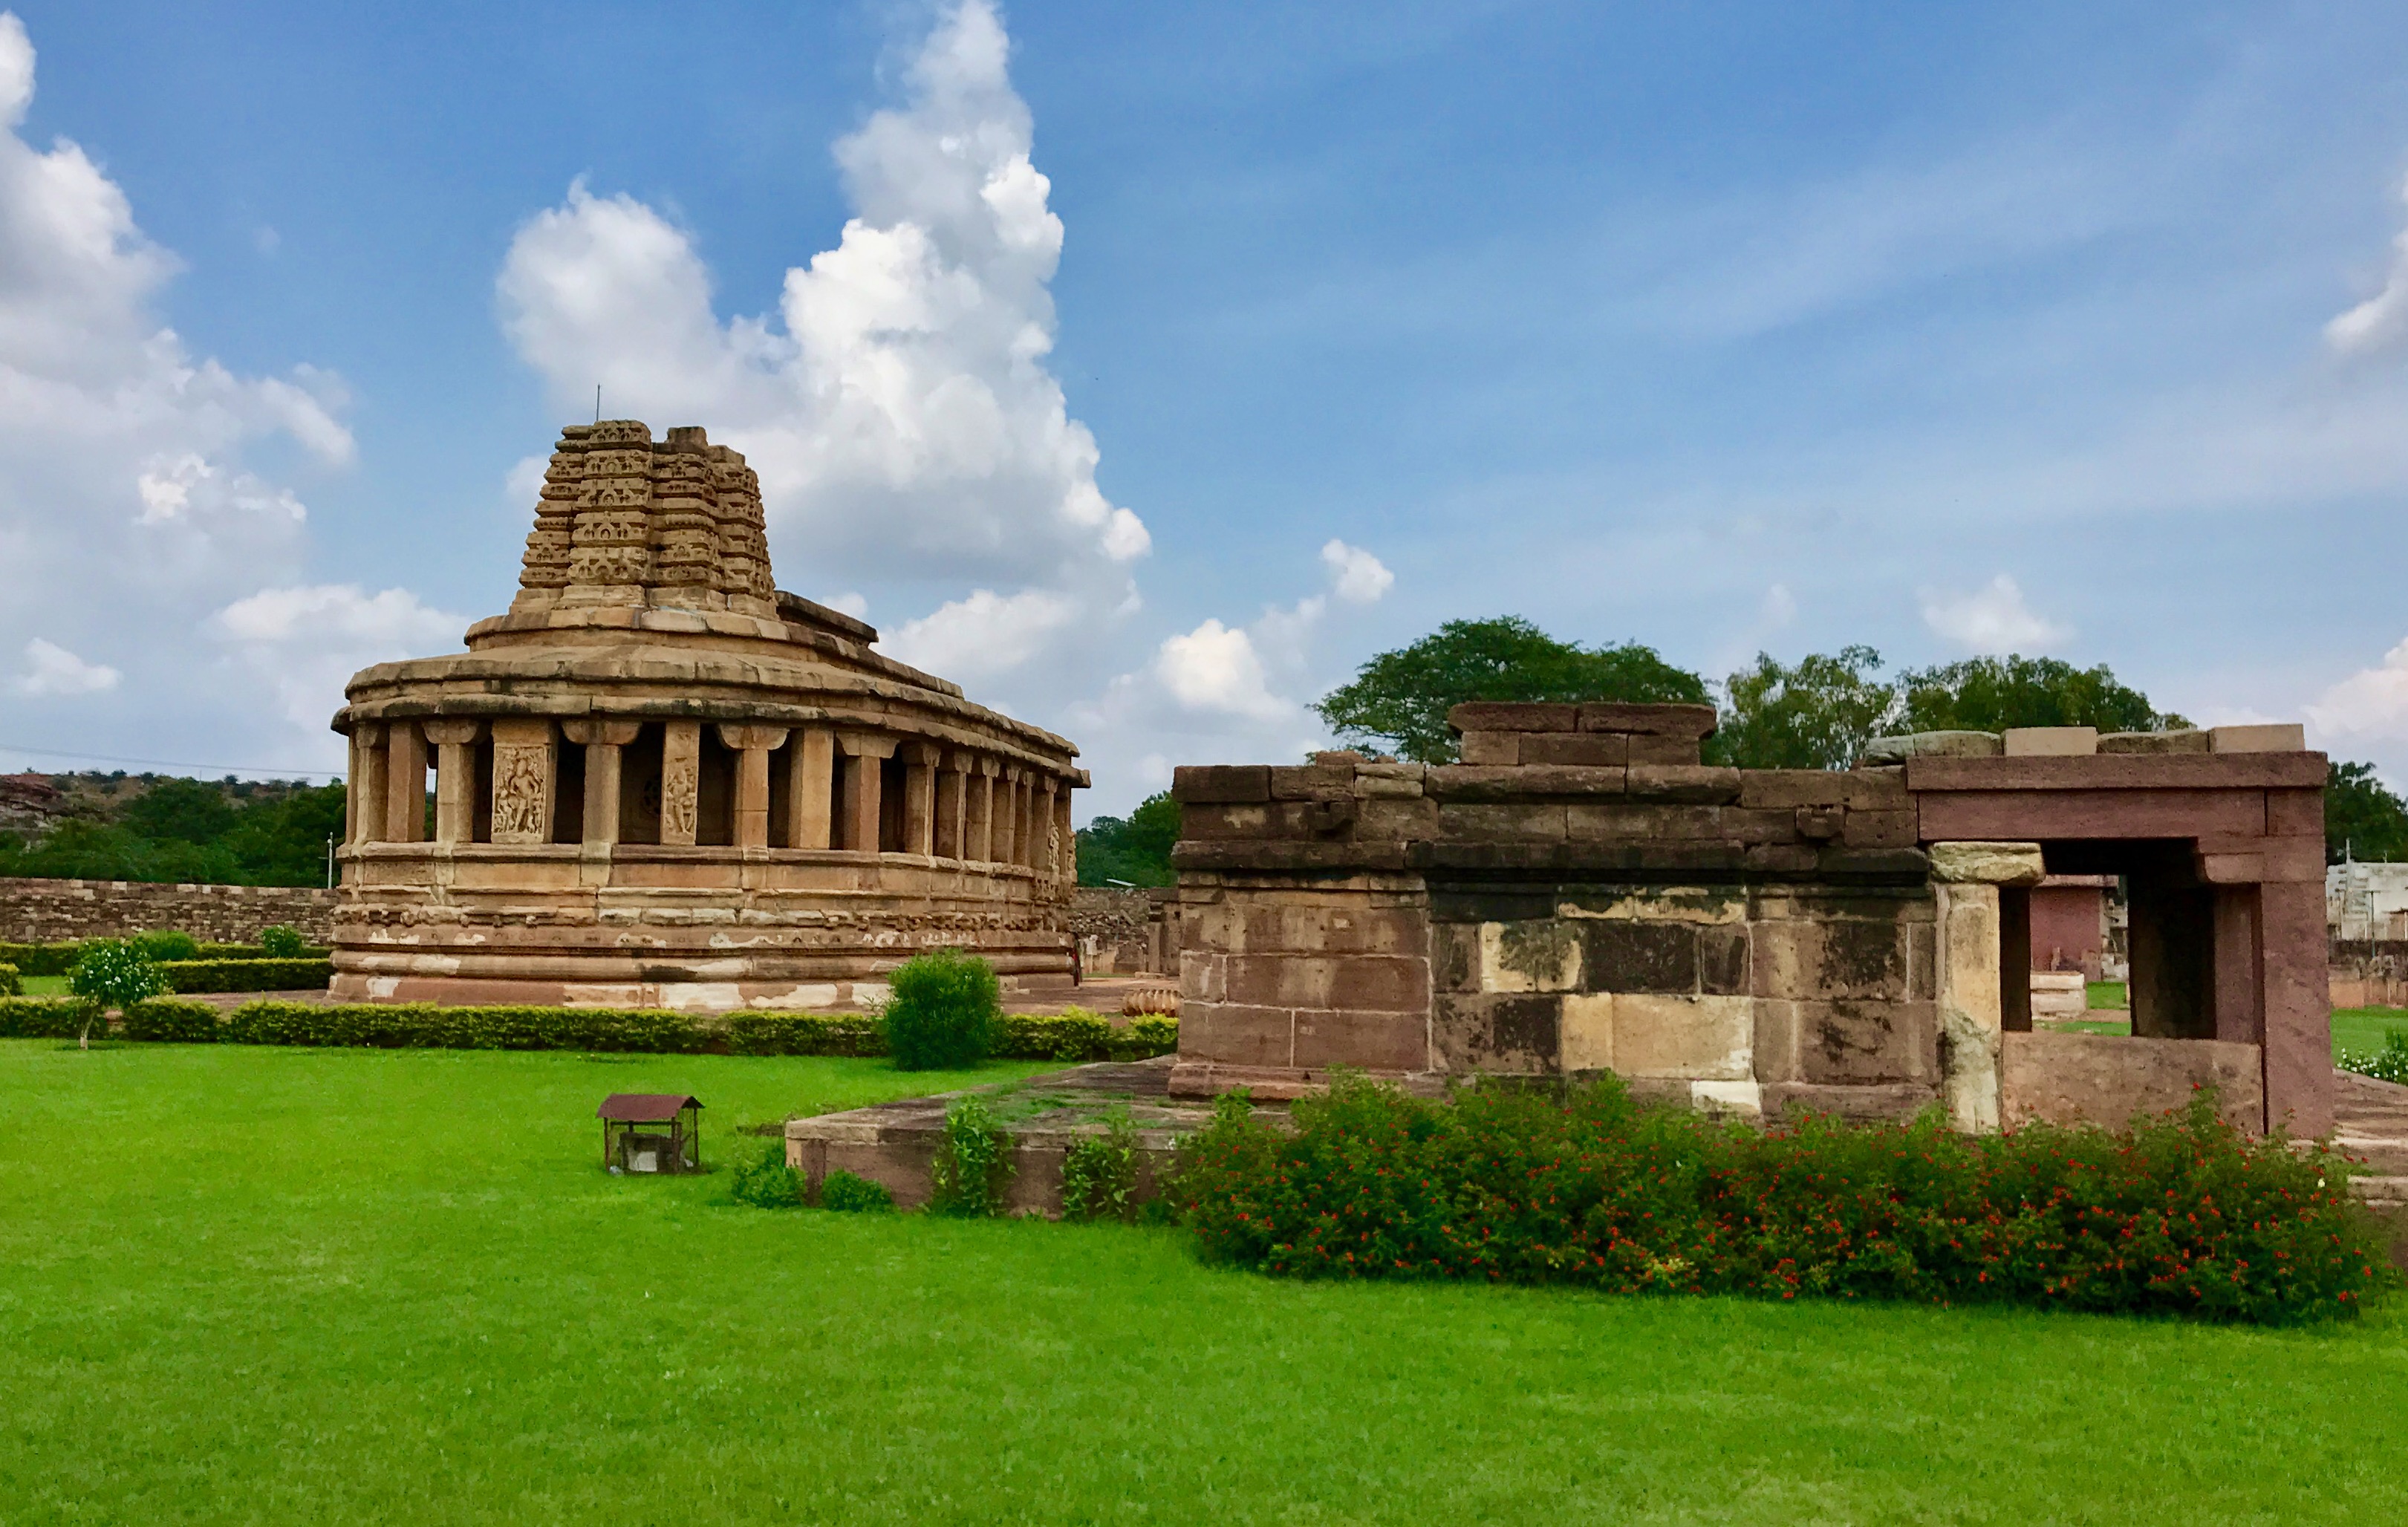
{"x": 660, "y": 780}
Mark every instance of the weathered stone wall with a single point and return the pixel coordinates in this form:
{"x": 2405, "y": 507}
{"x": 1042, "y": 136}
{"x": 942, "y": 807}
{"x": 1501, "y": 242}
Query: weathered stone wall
{"x": 2369, "y": 971}
{"x": 52, "y": 911}
{"x": 1121, "y": 930}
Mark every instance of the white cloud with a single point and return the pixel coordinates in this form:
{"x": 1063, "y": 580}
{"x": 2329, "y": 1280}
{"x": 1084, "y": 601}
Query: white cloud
{"x": 51, "y": 669}
{"x": 1992, "y": 619}
{"x": 983, "y": 636}
{"x": 304, "y": 641}
{"x": 1358, "y": 577}
{"x": 2381, "y": 322}
{"x": 897, "y": 406}
{"x": 127, "y": 510}
{"x": 1215, "y": 668}
{"x": 2371, "y": 703}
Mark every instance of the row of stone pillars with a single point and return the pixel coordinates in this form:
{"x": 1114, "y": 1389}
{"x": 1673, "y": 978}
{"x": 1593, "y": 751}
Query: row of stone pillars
{"x": 956, "y": 803}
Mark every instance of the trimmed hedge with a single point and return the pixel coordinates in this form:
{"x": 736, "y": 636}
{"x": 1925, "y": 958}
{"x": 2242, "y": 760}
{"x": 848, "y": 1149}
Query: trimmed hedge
{"x": 170, "y": 1020}
{"x": 2179, "y": 1215}
{"x": 246, "y": 974}
{"x": 1071, "y": 1037}
{"x": 58, "y": 959}
{"x": 11, "y": 984}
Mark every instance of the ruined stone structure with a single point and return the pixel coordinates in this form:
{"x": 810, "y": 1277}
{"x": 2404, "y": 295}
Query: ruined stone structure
{"x": 1581, "y": 894}
{"x": 660, "y": 780}
{"x": 33, "y": 911}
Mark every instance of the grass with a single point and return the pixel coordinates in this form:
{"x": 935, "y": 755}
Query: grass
{"x": 44, "y": 986}
{"x": 2361, "y": 1029}
{"x": 2108, "y": 994}
{"x": 348, "y": 1286}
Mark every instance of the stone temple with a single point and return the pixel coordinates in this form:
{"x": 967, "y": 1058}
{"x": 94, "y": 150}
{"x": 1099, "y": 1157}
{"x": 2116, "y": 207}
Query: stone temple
{"x": 662, "y": 782}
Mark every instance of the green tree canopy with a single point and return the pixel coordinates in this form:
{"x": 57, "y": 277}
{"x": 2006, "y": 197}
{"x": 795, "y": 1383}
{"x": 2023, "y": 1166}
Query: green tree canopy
{"x": 2363, "y": 815}
{"x": 1813, "y": 716}
{"x": 1990, "y": 695}
{"x": 188, "y": 830}
{"x": 1399, "y": 700}
{"x": 1135, "y": 848}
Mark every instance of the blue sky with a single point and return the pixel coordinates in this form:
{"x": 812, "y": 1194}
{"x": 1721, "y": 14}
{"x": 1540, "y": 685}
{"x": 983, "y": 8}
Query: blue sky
{"x": 1948, "y": 329}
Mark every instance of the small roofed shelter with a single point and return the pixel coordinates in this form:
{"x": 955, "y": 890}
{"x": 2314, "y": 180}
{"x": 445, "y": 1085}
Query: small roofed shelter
{"x": 650, "y": 1132}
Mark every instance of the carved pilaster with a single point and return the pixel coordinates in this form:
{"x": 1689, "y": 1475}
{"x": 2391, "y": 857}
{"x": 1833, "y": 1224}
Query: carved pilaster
{"x": 862, "y": 787}
{"x": 523, "y": 772}
{"x": 681, "y": 782}
{"x": 363, "y": 801}
{"x": 752, "y": 744}
{"x": 811, "y": 779}
{"x": 602, "y": 741}
{"x": 455, "y": 780}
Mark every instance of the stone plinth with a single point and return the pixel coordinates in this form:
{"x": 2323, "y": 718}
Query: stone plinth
{"x": 658, "y": 779}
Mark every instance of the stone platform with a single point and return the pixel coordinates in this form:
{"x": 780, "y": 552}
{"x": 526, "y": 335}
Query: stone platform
{"x": 892, "y": 1144}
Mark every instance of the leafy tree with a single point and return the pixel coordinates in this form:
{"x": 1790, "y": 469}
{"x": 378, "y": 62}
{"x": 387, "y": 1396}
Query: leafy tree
{"x": 180, "y": 811}
{"x": 1135, "y": 848}
{"x": 187, "y": 830}
{"x": 112, "y": 972}
{"x": 2362, "y": 815}
{"x": 1990, "y": 695}
{"x": 1813, "y": 716}
{"x": 1401, "y": 699}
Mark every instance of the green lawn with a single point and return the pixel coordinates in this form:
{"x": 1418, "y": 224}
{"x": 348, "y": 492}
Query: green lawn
{"x": 44, "y": 986}
{"x": 271, "y": 1285}
{"x": 2362, "y": 1028}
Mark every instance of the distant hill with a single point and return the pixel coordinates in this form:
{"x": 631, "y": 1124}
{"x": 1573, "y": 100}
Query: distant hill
{"x": 157, "y": 827}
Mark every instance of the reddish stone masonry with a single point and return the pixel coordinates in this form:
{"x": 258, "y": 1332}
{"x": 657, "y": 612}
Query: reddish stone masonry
{"x": 1582, "y": 893}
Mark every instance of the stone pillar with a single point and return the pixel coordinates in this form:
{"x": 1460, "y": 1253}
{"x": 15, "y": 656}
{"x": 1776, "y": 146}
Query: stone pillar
{"x": 811, "y": 785}
{"x": 864, "y": 751}
{"x": 602, "y": 741}
{"x": 1066, "y": 846}
{"x": 979, "y": 840}
{"x": 681, "y": 782}
{"x": 405, "y": 783}
{"x": 364, "y": 803}
{"x": 523, "y": 774}
{"x": 2235, "y": 976}
{"x": 920, "y": 799}
{"x": 953, "y": 807}
{"x": 455, "y": 786}
{"x": 1005, "y": 816}
{"x": 1041, "y": 828}
{"x": 2298, "y": 1005}
{"x": 752, "y": 744}
{"x": 1970, "y": 999}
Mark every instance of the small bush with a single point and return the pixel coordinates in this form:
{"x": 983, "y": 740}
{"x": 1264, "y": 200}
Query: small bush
{"x": 943, "y": 1012}
{"x": 1099, "y": 1172}
{"x": 166, "y": 944}
{"x": 767, "y": 1182}
{"x": 172, "y": 1021}
{"x": 280, "y": 942}
{"x": 47, "y": 1018}
{"x": 115, "y": 972}
{"x": 11, "y": 984}
{"x": 846, "y": 1193}
{"x": 2390, "y": 1064}
{"x": 2178, "y": 1215}
{"x": 1147, "y": 1035}
{"x": 973, "y": 1163}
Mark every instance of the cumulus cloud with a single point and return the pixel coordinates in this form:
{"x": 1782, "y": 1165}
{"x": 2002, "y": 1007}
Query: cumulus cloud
{"x": 128, "y": 511}
{"x": 51, "y": 669}
{"x": 2371, "y": 703}
{"x": 1358, "y": 577}
{"x": 1213, "y": 667}
{"x": 305, "y": 640}
{"x": 2379, "y": 323}
{"x": 983, "y": 636}
{"x": 1992, "y": 619}
{"x": 897, "y": 405}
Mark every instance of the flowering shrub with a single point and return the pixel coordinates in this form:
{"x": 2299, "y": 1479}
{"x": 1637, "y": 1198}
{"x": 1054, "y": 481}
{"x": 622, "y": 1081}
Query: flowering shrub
{"x": 2180, "y": 1214}
{"x": 2390, "y": 1064}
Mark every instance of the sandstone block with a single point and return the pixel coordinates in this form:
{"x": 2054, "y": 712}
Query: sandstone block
{"x": 1491, "y": 823}
{"x": 1234, "y": 1035}
{"x": 1772, "y": 790}
{"x": 1542, "y": 956}
{"x": 2187, "y": 741}
{"x": 1514, "y": 716}
{"x": 1594, "y": 749}
{"x": 1695, "y": 1038}
{"x": 1490, "y": 749}
{"x": 1724, "y": 905}
{"x": 1313, "y": 782}
{"x": 1868, "y": 1042}
{"x": 2288, "y": 737}
{"x": 1823, "y": 959}
{"x": 2049, "y": 741}
{"x": 1689, "y": 783}
{"x": 2106, "y": 1079}
{"x": 1636, "y": 822}
{"x": 1466, "y": 783}
{"x": 1897, "y": 749}
{"x": 1781, "y": 858}
{"x": 1370, "y": 1041}
{"x": 1663, "y": 721}
{"x": 1234, "y": 783}
{"x": 1511, "y": 1035}
{"x": 1651, "y": 749}
{"x": 1640, "y": 957}
{"x": 1888, "y": 1103}
{"x": 1989, "y": 863}
{"x": 1879, "y": 830}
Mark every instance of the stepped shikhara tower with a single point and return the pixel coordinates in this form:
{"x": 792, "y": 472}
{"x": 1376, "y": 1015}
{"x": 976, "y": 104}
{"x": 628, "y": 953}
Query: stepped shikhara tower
{"x": 659, "y": 779}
